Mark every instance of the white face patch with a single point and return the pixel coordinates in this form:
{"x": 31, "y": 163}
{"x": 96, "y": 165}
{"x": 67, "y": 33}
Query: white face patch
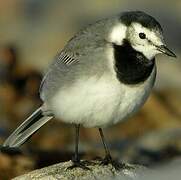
{"x": 146, "y": 46}
{"x": 118, "y": 33}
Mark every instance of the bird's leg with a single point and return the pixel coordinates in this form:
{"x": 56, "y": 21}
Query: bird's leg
{"x": 107, "y": 153}
{"x": 76, "y": 155}
{"x": 76, "y": 160}
{"x": 108, "y": 159}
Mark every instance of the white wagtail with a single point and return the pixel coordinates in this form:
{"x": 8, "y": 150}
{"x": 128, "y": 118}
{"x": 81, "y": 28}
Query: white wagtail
{"x": 103, "y": 75}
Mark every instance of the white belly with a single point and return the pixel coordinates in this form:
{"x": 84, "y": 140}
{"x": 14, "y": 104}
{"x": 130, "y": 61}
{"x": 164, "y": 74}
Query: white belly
{"x": 99, "y": 102}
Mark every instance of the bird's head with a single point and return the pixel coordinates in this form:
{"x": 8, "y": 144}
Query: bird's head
{"x": 143, "y": 33}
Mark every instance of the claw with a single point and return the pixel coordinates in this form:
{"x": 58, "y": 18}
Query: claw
{"x": 115, "y": 163}
{"x": 88, "y": 163}
{"x": 79, "y": 164}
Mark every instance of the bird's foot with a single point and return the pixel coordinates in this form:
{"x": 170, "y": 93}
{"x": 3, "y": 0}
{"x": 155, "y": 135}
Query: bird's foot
{"x": 115, "y": 163}
{"x": 88, "y": 163}
{"x": 77, "y": 163}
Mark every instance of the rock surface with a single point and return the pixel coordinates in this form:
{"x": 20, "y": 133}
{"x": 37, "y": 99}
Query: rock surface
{"x": 96, "y": 172}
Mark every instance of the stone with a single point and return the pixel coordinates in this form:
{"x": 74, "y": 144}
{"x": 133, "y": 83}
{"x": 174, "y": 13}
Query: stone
{"x": 97, "y": 171}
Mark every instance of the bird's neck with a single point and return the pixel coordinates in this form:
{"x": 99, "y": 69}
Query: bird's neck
{"x": 131, "y": 66}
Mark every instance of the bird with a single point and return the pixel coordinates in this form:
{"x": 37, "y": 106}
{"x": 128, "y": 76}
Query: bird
{"x": 102, "y": 76}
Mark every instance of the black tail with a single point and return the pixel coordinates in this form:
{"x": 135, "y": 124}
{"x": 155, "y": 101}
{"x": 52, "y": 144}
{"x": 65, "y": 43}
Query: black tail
{"x": 27, "y": 128}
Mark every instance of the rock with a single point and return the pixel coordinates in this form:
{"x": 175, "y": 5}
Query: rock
{"x": 60, "y": 171}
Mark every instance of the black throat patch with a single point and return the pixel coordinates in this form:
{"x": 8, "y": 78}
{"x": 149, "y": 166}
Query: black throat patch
{"x": 131, "y": 66}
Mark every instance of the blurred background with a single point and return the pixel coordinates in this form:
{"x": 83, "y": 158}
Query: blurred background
{"x": 32, "y": 32}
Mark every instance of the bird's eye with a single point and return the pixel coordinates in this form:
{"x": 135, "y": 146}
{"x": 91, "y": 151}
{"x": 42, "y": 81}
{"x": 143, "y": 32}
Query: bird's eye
{"x": 142, "y": 35}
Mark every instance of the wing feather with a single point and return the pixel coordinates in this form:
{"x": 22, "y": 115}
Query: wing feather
{"x": 63, "y": 61}
{"x": 66, "y": 58}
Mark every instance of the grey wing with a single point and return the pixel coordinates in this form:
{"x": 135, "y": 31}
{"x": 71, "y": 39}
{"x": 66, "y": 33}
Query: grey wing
{"x": 61, "y": 64}
{"x": 66, "y": 58}
{"x": 76, "y": 55}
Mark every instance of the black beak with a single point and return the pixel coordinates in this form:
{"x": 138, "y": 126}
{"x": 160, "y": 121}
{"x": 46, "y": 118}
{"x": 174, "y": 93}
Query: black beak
{"x": 166, "y": 51}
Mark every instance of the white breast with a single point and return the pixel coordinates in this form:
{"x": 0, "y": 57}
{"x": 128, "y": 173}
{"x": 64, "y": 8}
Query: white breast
{"x": 99, "y": 102}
